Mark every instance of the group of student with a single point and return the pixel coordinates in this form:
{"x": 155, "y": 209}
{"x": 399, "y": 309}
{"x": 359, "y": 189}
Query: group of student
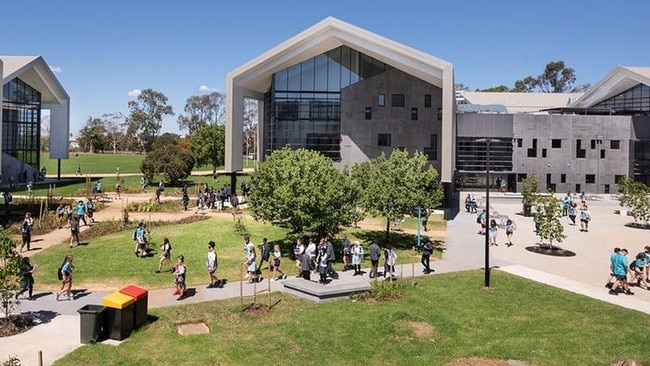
{"x": 72, "y": 217}
{"x": 624, "y": 272}
{"x": 493, "y": 229}
{"x": 571, "y": 210}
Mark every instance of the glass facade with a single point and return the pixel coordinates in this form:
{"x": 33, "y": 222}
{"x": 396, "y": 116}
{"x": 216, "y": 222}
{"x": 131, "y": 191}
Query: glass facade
{"x": 632, "y": 102}
{"x": 303, "y": 108}
{"x": 21, "y": 122}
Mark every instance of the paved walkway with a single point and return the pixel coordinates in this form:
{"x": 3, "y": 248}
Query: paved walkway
{"x": 584, "y": 274}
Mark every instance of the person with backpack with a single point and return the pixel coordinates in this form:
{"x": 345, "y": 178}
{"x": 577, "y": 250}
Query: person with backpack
{"x": 166, "y": 255}
{"x": 427, "y": 252}
{"x": 138, "y": 238}
{"x": 74, "y": 231}
{"x": 27, "y": 281}
{"x": 90, "y": 210}
{"x": 81, "y": 212}
{"x": 26, "y": 231}
{"x": 265, "y": 248}
{"x": 585, "y": 217}
{"x": 375, "y": 253}
{"x": 480, "y": 219}
{"x": 65, "y": 276}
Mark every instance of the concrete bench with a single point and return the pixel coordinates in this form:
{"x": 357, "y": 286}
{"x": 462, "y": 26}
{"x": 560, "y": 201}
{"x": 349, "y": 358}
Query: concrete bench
{"x": 317, "y": 292}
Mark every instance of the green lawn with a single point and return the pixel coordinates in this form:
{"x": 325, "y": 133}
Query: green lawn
{"x": 114, "y": 253}
{"x": 516, "y": 319}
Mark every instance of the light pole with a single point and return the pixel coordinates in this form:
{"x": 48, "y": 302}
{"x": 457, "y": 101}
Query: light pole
{"x": 599, "y": 141}
{"x": 487, "y": 207}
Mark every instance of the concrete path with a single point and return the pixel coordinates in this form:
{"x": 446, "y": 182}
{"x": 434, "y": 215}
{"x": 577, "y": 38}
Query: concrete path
{"x": 584, "y": 274}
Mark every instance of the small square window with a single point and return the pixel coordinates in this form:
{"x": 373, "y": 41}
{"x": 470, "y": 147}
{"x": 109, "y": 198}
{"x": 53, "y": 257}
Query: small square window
{"x": 397, "y": 100}
{"x": 520, "y": 142}
{"x": 427, "y": 100}
{"x": 615, "y": 144}
{"x": 368, "y": 113}
{"x": 556, "y": 143}
{"x": 383, "y": 139}
{"x": 590, "y": 178}
{"x": 543, "y": 153}
{"x": 414, "y": 114}
{"x": 381, "y": 100}
{"x": 521, "y": 177}
{"x": 532, "y": 153}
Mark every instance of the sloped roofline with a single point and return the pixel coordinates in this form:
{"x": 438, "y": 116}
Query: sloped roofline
{"x": 22, "y": 64}
{"x": 617, "y": 81}
{"x": 331, "y": 33}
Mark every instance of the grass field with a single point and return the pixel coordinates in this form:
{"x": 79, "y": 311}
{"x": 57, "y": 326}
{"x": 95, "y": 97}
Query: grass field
{"x": 114, "y": 254}
{"x": 444, "y": 317}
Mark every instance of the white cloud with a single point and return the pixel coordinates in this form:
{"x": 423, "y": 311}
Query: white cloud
{"x": 56, "y": 69}
{"x": 134, "y": 93}
{"x": 207, "y": 89}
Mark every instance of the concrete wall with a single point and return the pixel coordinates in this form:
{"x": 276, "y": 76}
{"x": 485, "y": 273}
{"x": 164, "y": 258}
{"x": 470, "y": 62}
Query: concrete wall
{"x": 568, "y": 129}
{"x": 359, "y": 135}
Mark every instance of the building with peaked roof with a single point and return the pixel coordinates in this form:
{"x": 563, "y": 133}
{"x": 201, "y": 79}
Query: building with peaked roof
{"x": 28, "y": 87}
{"x": 348, "y": 93}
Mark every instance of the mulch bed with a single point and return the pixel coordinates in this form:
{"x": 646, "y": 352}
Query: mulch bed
{"x": 15, "y": 324}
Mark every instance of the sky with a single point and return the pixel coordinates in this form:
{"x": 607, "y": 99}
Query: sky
{"x": 103, "y": 52}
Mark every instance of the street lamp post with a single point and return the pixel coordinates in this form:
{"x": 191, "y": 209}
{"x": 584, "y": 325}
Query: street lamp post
{"x": 487, "y": 207}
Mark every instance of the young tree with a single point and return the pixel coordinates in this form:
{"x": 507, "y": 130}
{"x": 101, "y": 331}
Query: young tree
{"x": 146, "y": 113}
{"x": 115, "y": 126}
{"x": 302, "y": 189}
{"x": 634, "y": 196}
{"x": 529, "y": 189}
{"x": 10, "y": 272}
{"x": 201, "y": 110}
{"x": 393, "y": 186}
{"x": 549, "y": 215}
{"x": 208, "y": 145}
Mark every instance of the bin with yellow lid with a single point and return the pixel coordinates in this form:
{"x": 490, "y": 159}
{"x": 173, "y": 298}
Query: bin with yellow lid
{"x": 140, "y": 306}
{"x": 119, "y": 315}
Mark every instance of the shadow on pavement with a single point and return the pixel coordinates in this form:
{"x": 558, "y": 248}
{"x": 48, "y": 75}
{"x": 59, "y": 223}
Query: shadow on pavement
{"x": 41, "y": 316}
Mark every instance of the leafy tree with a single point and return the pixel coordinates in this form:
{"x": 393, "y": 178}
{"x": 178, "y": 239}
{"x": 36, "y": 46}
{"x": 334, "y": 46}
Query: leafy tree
{"x": 146, "y": 113}
{"x": 525, "y": 85}
{"x": 529, "y": 189}
{"x": 393, "y": 186}
{"x": 201, "y": 110}
{"x": 170, "y": 161}
{"x": 495, "y": 89}
{"x": 208, "y": 145}
{"x": 549, "y": 215}
{"x": 92, "y": 137}
{"x": 556, "y": 78}
{"x": 115, "y": 126}
{"x": 302, "y": 189}
{"x": 10, "y": 272}
{"x": 167, "y": 140}
{"x": 634, "y": 196}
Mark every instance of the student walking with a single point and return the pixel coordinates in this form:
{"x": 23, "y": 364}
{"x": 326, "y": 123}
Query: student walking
{"x": 572, "y": 211}
{"x": 27, "y": 281}
{"x": 375, "y": 253}
{"x": 620, "y": 272}
{"x": 357, "y": 258}
{"x": 510, "y": 229}
{"x": 179, "y": 276}
{"x": 74, "y": 231}
{"x": 427, "y": 252}
{"x": 81, "y": 212}
{"x": 65, "y": 276}
{"x": 390, "y": 257}
{"x": 277, "y": 255}
{"x": 211, "y": 263}
{"x": 585, "y": 217}
{"x": 494, "y": 228}
{"x": 166, "y": 255}
{"x": 26, "y": 232}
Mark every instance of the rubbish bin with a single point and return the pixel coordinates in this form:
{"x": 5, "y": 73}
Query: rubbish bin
{"x": 91, "y": 322}
{"x": 140, "y": 306}
{"x": 119, "y": 315}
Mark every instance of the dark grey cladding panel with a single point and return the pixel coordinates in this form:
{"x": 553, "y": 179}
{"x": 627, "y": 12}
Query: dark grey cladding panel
{"x": 484, "y": 125}
{"x": 641, "y": 127}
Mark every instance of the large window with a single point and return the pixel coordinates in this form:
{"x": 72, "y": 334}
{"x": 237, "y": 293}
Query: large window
{"x": 303, "y": 108}
{"x": 21, "y": 122}
{"x": 397, "y": 100}
{"x": 383, "y": 139}
{"x": 471, "y": 154}
{"x": 634, "y": 101}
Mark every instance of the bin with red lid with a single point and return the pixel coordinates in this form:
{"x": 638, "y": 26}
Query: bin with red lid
{"x": 140, "y": 305}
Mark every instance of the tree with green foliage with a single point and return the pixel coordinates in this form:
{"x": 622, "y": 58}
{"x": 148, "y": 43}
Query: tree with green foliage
{"x": 92, "y": 136}
{"x": 208, "y": 145}
{"x": 146, "y": 113}
{"x": 302, "y": 189}
{"x": 495, "y": 89}
{"x": 10, "y": 271}
{"x": 634, "y": 196}
{"x": 393, "y": 186}
{"x": 170, "y": 161}
{"x": 555, "y": 78}
{"x": 201, "y": 110}
{"x": 529, "y": 190}
{"x": 549, "y": 216}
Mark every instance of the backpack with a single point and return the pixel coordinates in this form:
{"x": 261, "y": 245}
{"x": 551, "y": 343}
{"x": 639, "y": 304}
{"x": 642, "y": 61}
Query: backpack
{"x": 59, "y": 275}
{"x": 9, "y": 197}
{"x": 478, "y": 219}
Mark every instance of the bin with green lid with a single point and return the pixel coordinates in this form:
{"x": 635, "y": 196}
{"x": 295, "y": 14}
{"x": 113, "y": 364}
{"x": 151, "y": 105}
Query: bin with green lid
{"x": 140, "y": 306}
{"x": 91, "y": 321}
{"x": 119, "y": 315}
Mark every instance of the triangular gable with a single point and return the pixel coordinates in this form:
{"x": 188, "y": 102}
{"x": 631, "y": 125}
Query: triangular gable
{"x": 619, "y": 80}
{"x": 34, "y": 71}
{"x": 331, "y": 33}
